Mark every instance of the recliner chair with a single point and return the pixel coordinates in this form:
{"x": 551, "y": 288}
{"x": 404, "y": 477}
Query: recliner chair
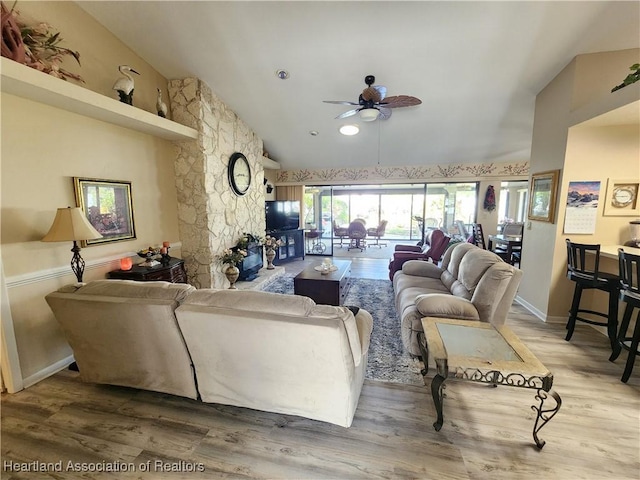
{"x": 436, "y": 242}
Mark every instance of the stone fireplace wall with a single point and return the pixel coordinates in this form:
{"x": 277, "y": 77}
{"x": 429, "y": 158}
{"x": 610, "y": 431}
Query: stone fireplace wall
{"x": 211, "y": 217}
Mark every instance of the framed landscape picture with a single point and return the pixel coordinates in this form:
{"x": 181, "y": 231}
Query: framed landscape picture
{"x": 108, "y": 206}
{"x": 542, "y": 196}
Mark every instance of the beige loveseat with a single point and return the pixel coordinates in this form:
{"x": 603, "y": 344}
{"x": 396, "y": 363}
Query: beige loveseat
{"x": 470, "y": 284}
{"x": 266, "y": 351}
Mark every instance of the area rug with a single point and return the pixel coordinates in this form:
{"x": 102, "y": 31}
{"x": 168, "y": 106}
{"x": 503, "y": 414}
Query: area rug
{"x": 388, "y": 360}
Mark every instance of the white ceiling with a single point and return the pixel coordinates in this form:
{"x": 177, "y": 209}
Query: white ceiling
{"x": 476, "y": 66}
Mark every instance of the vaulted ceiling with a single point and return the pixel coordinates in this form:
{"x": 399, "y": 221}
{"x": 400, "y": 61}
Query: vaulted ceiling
{"x": 476, "y": 66}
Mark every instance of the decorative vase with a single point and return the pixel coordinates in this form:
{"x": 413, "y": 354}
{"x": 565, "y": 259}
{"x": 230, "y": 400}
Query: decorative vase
{"x": 232, "y": 273}
{"x": 270, "y": 254}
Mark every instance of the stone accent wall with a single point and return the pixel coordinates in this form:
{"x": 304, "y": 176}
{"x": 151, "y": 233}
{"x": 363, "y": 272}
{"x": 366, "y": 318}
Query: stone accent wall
{"x": 211, "y": 217}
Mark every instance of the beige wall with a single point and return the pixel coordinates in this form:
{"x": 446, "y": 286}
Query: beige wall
{"x": 100, "y": 52}
{"x": 547, "y": 153}
{"x": 581, "y": 153}
{"x": 593, "y": 154}
{"x": 42, "y": 149}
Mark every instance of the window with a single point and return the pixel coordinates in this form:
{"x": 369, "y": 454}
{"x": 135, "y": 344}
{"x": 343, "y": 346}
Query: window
{"x": 512, "y": 204}
{"x": 408, "y": 208}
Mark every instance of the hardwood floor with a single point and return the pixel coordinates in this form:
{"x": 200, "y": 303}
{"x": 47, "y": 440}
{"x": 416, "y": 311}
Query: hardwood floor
{"x": 487, "y": 432}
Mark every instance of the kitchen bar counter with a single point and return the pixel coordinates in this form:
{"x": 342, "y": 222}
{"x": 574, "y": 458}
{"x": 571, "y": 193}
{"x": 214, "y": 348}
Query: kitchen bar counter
{"x": 611, "y": 251}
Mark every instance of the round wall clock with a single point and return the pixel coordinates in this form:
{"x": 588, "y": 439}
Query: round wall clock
{"x": 239, "y": 173}
{"x": 623, "y": 195}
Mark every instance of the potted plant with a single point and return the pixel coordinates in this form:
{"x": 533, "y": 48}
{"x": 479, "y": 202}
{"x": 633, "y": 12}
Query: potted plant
{"x": 248, "y": 239}
{"x": 270, "y": 244}
{"x": 633, "y": 77}
{"x": 232, "y": 258}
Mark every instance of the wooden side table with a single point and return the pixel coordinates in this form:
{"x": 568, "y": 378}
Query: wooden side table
{"x": 479, "y": 352}
{"x": 174, "y": 272}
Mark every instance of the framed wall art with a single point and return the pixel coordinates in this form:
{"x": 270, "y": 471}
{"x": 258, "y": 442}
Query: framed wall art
{"x": 542, "y": 196}
{"x": 108, "y": 206}
{"x": 621, "y": 198}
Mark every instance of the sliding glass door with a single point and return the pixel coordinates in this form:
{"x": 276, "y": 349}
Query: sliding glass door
{"x": 318, "y": 221}
{"x": 408, "y": 209}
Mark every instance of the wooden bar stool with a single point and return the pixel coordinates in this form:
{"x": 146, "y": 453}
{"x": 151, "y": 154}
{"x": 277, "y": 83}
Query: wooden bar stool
{"x": 630, "y": 293}
{"x": 586, "y": 278}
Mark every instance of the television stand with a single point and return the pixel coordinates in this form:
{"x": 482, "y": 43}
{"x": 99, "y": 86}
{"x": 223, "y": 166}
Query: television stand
{"x": 292, "y": 246}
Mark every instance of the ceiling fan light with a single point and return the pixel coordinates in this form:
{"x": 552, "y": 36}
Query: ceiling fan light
{"x": 369, "y": 114}
{"x": 349, "y": 130}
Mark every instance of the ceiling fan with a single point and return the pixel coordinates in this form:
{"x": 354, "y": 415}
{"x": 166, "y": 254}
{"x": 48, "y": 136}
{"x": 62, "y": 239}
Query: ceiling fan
{"x": 373, "y": 102}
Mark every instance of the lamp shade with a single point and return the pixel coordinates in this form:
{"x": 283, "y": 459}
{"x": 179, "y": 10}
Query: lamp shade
{"x": 70, "y": 224}
{"x": 369, "y": 114}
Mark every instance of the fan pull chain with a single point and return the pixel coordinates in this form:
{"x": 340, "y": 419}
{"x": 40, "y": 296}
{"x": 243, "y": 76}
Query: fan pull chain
{"x": 378, "y": 142}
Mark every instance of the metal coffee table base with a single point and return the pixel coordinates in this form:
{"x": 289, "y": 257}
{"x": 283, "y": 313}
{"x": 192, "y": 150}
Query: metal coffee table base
{"x": 542, "y": 415}
{"x": 532, "y": 373}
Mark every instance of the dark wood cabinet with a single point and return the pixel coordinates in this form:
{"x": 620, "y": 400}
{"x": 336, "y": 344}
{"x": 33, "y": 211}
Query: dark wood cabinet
{"x": 292, "y": 245}
{"x": 173, "y": 272}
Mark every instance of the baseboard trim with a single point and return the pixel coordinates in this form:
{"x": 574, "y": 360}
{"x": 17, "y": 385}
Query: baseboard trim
{"x": 48, "y": 371}
{"x": 533, "y": 310}
{"x": 539, "y": 314}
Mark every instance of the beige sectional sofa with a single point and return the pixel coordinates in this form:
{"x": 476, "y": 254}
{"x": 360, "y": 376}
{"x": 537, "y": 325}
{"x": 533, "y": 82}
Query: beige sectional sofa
{"x": 470, "y": 284}
{"x": 266, "y": 351}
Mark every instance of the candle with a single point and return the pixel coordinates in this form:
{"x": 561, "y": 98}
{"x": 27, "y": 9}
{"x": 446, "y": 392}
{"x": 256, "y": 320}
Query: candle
{"x": 166, "y": 244}
{"x": 163, "y": 250}
{"x": 126, "y": 263}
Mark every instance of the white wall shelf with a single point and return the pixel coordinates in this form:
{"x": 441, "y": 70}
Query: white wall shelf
{"x": 26, "y": 82}
{"x": 270, "y": 164}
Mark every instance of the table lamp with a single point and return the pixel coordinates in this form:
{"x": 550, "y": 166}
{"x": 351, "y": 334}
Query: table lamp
{"x": 71, "y": 224}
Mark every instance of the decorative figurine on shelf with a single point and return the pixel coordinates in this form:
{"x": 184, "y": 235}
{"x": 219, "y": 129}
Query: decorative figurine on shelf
{"x": 124, "y": 85}
{"x": 161, "y": 107}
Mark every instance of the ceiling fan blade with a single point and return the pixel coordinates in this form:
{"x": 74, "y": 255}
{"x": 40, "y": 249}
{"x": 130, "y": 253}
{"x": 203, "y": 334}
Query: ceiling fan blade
{"x": 400, "y": 101}
{"x": 385, "y": 113}
{"x": 339, "y": 102}
{"x": 349, "y": 113}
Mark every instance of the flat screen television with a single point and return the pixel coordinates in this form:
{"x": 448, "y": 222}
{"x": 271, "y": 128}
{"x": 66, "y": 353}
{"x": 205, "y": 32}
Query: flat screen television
{"x": 282, "y": 215}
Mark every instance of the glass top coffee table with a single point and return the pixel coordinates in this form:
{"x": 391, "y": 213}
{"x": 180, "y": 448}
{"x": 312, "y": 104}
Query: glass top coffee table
{"x": 479, "y": 352}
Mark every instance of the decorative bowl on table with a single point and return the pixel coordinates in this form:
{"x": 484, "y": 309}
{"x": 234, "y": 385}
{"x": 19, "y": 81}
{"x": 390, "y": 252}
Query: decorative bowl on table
{"x": 325, "y": 269}
{"x": 148, "y": 254}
